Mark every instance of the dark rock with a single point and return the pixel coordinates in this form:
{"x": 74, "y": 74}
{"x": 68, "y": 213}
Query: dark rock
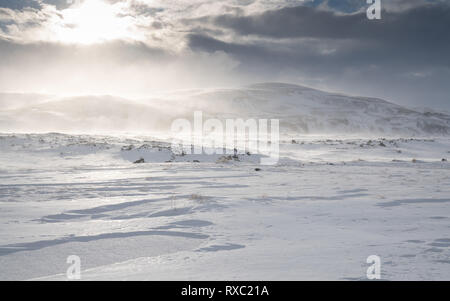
{"x": 127, "y": 148}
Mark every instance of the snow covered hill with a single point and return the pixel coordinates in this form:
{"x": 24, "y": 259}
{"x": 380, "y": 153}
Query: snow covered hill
{"x": 301, "y": 110}
{"x": 309, "y": 111}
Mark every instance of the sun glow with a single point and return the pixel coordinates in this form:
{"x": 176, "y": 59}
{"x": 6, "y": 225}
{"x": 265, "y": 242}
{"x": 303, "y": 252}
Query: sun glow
{"x": 93, "y": 21}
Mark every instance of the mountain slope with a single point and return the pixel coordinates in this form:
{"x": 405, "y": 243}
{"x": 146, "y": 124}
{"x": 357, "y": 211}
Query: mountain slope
{"x": 305, "y": 110}
{"x": 300, "y": 110}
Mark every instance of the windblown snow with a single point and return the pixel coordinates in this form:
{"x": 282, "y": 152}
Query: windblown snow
{"x": 356, "y": 177}
{"x": 301, "y": 110}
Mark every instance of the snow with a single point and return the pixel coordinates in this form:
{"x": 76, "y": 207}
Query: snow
{"x": 301, "y": 110}
{"x": 356, "y": 177}
{"x": 328, "y": 204}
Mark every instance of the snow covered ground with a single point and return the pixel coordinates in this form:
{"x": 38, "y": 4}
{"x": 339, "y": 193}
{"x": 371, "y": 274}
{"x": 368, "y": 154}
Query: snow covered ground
{"x": 317, "y": 215}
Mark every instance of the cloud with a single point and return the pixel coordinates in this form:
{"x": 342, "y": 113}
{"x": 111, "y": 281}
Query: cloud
{"x": 340, "y": 51}
{"x": 20, "y": 4}
{"x": 308, "y": 22}
{"x": 412, "y": 37}
{"x": 326, "y": 43}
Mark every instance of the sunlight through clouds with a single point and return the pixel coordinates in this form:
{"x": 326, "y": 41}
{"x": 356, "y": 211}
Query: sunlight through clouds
{"x": 92, "y": 22}
{"x": 96, "y": 21}
{"x": 88, "y": 22}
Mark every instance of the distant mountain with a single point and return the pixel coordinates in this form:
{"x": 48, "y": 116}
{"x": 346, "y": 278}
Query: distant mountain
{"x": 300, "y": 110}
{"x": 305, "y": 110}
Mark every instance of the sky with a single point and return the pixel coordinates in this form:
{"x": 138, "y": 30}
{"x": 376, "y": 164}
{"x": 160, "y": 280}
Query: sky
{"x": 137, "y": 47}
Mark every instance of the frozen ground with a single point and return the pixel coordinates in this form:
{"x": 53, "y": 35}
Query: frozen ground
{"x": 318, "y": 214}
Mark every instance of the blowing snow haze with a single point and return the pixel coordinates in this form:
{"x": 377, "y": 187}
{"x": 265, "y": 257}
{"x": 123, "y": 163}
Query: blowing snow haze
{"x": 133, "y": 48}
{"x": 301, "y": 110}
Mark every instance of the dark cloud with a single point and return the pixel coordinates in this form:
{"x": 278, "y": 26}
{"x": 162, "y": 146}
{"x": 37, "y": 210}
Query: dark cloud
{"x": 403, "y": 56}
{"x": 20, "y": 4}
{"x": 415, "y": 38}
{"x": 420, "y": 24}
